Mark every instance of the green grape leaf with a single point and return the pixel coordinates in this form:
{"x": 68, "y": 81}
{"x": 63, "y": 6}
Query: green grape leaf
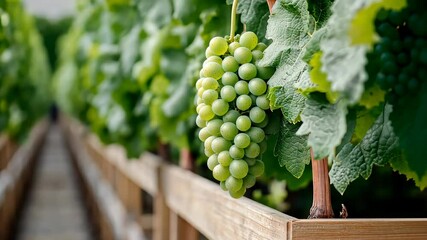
{"x": 290, "y": 27}
{"x": 128, "y": 45}
{"x": 379, "y": 147}
{"x": 409, "y": 123}
{"x": 326, "y": 124}
{"x": 287, "y": 96}
{"x": 254, "y": 13}
{"x": 292, "y": 150}
{"x": 185, "y": 10}
{"x": 401, "y": 165}
{"x": 344, "y": 55}
{"x": 372, "y": 96}
{"x": 274, "y": 170}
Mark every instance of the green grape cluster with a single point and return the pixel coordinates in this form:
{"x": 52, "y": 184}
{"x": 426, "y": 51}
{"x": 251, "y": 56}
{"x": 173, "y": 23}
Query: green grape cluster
{"x": 231, "y": 105}
{"x": 398, "y": 61}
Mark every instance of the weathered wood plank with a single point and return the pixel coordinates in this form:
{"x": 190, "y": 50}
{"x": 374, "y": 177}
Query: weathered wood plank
{"x": 111, "y": 208}
{"x": 181, "y": 229}
{"x": 359, "y": 229}
{"x": 142, "y": 171}
{"x": 215, "y": 214}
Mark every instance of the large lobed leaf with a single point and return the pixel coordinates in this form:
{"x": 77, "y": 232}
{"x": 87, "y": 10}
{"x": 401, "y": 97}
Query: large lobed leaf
{"x": 378, "y": 147}
{"x": 326, "y": 124}
{"x": 409, "y": 123}
{"x": 290, "y": 27}
{"x": 292, "y": 150}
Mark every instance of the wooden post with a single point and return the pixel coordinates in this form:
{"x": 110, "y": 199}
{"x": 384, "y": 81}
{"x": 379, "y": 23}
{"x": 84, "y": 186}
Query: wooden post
{"x": 161, "y": 211}
{"x": 134, "y": 204}
{"x": 322, "y": 206}
{"x": 182, "y": 230}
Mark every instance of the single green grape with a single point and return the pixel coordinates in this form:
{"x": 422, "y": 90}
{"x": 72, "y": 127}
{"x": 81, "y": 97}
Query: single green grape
{"x": 256, "y": 134}
{"x": 203, "y": 134}
{"x": 236, "y": 153}
{"x": 241, "y": 87}
{"x": 220, "y": 107}
{"x": 257, "y": 115}
{"x": 212, "y": 162}
{"x": 224, "y": 158}
{"x": 220, "y": 172}
{"x": 249, "y": 40}
{"x": 243, "y": 55}
{"x": 263, "y": 102}
{"x": 228, "y": 93}
{"x": 243, "y": 123}
{"x": 249, "y": 181}
{"x": 257, "y": 86}
{"x": 229, "y": 64}
{"x": 214, "y": 126}
{"x": 206, "y": 113}
{"x": 210, "y": 83}
{"x": 231, "y": 116}
{"x": 229, "y": 78}
{"x": 247, "y": 71}
{"x": 261, "y": 46}
{"x": 243, "y": 102}
{"x": 239, "y": 168}
{"x": 219, "y": 144}
{"x": 242, "y": 140}
{"x": 209, "y": 96}
{"x": 218, "y": 45}
{"x": 253, "y": 150}
{"x": 213, "y": 70}
{"x": 200, "y": 122}
{"x": 238, "y": 194}
{"x": 256, "y": 56}
{"x": 233, "y": 184}
{"x": 229, "y": 130}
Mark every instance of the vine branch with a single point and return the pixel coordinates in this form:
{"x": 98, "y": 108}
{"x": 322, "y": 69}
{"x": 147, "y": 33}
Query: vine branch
{"x": 322, "y": 206}
{"x": 270, "y": 4}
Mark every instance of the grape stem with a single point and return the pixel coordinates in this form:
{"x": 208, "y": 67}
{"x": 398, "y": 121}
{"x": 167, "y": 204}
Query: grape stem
{"x": 270, "y": 4}
{"x": 233, "y": 19}
{"x": 322, "y": 206}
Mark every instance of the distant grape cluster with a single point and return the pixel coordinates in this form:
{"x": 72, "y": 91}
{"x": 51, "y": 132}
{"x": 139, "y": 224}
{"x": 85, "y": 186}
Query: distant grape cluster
{"x": 399, "y": 59}
{"x": 231, "y": 105}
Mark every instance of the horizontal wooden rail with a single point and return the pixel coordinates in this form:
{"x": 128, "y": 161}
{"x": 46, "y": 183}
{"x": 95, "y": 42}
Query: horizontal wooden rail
{"x": 215, "y": 214}
{"x": 15, "y": 175}
{"x": 115, "y": 223}
{"x": 359, "y": 229}
{"x": 7, "y": 149}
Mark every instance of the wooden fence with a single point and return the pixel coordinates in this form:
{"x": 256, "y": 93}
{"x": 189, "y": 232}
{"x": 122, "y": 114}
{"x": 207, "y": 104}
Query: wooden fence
{"x": 15, "y": 172}
{"x": 185, "y": 204}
